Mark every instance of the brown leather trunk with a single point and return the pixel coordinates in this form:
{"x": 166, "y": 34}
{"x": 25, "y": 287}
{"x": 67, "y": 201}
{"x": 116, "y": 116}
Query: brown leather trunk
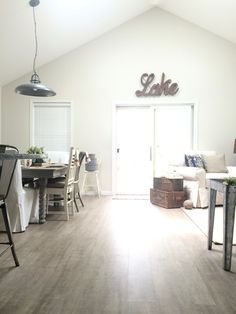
{"x": 168, "y": 184}
{"x": 166, "y": 199}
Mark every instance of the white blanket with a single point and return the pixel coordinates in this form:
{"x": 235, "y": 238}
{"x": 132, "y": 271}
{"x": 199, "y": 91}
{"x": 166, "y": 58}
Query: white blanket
{"x": 199, "y": 217}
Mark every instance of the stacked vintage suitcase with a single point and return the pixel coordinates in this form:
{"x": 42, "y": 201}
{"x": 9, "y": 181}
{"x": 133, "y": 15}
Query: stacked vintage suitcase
{"x": 167, "y": 192}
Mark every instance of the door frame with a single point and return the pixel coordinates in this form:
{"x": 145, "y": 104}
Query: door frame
{"x": 148, "y": 104}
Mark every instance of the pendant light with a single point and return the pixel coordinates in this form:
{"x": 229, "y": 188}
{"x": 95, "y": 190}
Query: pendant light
{"x": 34, "y": 88}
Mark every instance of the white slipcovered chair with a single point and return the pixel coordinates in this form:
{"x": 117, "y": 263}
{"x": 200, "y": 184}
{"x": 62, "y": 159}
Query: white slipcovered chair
{"x": 22, "y": 203}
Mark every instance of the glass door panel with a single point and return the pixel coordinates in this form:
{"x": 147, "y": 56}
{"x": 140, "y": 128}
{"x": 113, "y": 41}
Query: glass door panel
{"x": 134, "y": 138}
{"x": 173, "y": 135}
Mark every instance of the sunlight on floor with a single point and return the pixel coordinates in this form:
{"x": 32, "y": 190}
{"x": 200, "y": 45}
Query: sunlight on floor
{"x": 135, "y": 225}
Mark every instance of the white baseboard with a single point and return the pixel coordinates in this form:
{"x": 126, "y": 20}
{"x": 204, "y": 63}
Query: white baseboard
{"x": 131, "y": 197}
{"x": 103, "y": 193}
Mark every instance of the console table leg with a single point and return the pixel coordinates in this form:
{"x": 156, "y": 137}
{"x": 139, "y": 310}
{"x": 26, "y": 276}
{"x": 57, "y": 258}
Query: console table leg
{"x": 211, "y": 216}
{"x": 228, "y": 230}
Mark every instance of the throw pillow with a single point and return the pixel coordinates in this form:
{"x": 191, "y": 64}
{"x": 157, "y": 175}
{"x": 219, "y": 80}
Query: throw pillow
{"x": 215, "y": 163}
{"x": 194, "y": 161}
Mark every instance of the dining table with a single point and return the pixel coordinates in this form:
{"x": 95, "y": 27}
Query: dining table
{"x": 43, "y": 173}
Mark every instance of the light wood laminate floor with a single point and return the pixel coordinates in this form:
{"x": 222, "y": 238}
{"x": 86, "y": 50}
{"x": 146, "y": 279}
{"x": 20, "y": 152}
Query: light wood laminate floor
{"x": 117, "y": 256}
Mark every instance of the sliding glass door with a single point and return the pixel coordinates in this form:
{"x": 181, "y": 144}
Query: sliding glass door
{"x": 148, "y": 139}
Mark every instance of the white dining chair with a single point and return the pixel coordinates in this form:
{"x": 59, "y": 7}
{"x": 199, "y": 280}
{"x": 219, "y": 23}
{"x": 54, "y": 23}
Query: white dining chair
{"x": 62, "y": 189}
{"x": 21, "y": 202}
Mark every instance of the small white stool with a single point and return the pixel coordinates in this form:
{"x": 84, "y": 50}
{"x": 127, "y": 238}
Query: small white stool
{"x": 87, "y": 174}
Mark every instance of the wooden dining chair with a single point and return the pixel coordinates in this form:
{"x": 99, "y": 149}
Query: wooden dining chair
{"x": 62, "y": 189}
{"x": 80, "y": 158}
{"x": 7, "y": 168}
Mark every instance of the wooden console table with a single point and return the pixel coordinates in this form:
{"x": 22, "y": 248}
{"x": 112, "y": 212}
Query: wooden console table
{"x": 229, "y": 196}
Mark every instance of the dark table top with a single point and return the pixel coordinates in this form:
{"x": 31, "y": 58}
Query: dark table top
{"x": 20, "y": 156}
{"x": 50, "y": 171}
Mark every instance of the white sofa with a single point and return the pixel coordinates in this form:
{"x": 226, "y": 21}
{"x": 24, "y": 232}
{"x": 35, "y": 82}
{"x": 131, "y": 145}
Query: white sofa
{"x": 196, "y": 179}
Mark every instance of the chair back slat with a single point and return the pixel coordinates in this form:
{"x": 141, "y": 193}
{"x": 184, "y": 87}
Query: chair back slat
{"x": 79, "y": 160}
{"x": 71, "y": 169}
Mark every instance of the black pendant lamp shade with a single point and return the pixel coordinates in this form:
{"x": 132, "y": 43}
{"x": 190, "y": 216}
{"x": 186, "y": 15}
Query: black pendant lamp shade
{"x": 34, "y": 88}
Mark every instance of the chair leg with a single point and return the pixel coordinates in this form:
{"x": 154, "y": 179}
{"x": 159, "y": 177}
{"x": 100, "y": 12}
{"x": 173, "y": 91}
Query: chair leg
{"x": 83, "y": 183}
{"x": 74, "y": 199}
{"x": 66, "y": 206}
{"x": 71, "y": 202}
{"x": 98, "y": 185}
{"x": 80, "y": 198}
{"x": 9, "y": 233}
{"x": 77, "y": 208}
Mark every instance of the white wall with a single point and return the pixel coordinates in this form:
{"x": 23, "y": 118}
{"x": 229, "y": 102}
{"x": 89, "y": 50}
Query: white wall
{"x": 109, "y": 69}
{"x": 0, "y": 114}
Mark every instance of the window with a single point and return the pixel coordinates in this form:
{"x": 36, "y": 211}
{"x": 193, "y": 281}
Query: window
{"x": 51, "y": 127}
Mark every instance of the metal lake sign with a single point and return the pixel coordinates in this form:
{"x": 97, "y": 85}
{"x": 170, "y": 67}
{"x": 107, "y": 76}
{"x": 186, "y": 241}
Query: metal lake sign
{"x": 165, "y": 87}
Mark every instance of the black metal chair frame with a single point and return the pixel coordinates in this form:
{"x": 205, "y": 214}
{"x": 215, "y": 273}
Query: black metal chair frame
{"x": 3, "y": 205}
{"x": 77, "y": 195}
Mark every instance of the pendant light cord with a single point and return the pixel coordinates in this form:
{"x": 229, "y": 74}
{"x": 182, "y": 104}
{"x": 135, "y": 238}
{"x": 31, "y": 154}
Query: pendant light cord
{"x": 36, "y": 41}
{"x": 35, "y": 88}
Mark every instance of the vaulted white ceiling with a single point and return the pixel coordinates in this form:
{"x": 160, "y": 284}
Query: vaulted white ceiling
{"x": 64, "y": 25}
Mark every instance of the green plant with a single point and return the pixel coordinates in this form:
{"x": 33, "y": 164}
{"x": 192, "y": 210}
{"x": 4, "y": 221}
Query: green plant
{"x": 35, "y": 150}
{"x": 231, "y": 181}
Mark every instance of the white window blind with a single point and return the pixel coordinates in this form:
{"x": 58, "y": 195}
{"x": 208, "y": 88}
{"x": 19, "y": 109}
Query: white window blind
{"x": 52, "y": 126}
